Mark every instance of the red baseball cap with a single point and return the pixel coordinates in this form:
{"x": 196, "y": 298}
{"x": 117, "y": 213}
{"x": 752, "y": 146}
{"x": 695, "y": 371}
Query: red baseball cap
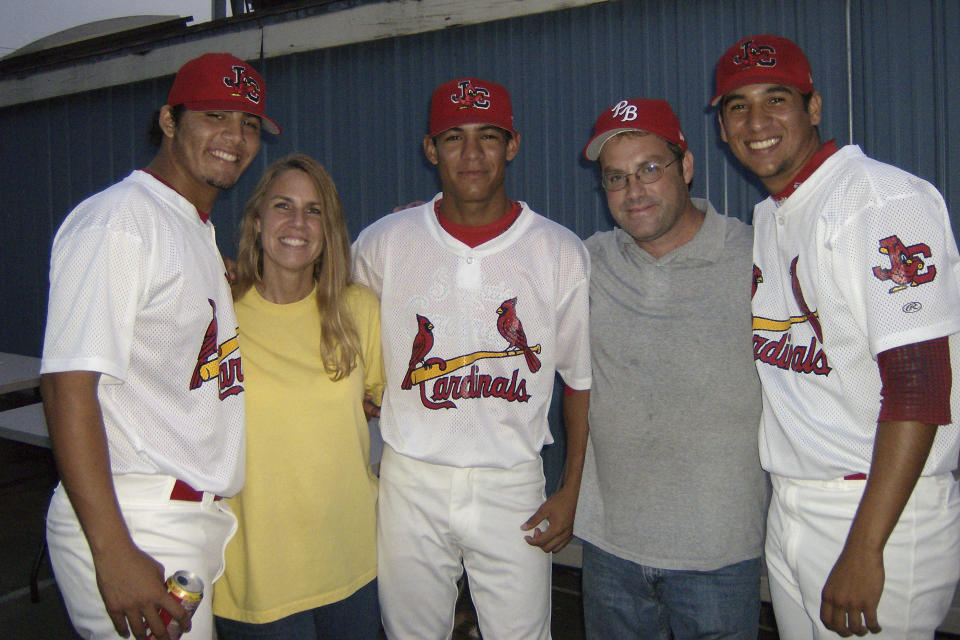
{"x": 221, "y": 82}
{"x": 637, "y": 114}
{"x": 763, "y": 59}
{"x": 470, "y": 101}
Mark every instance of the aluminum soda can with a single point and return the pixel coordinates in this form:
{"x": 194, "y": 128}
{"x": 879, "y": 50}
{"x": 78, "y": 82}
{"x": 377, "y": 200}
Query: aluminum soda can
{"x": 187, "y": 588}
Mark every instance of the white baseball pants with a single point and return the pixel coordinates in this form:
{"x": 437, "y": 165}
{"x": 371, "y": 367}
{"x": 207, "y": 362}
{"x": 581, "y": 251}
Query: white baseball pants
{"x": 432, "y": 517}
{"x": 807, "y": 526}
{"x": 178, "y": 534}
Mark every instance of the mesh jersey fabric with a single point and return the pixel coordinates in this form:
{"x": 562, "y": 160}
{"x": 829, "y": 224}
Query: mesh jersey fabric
{"x": 827, "y": 301}
{"x": 492, "y": 411}
{"x": 138, "y": 293}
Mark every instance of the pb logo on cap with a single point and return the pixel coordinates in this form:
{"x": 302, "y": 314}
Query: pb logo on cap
{"x": 624, "y": 111}
{"x": 754, "y": 55}
{"x": 243, "y": 85}
{"x": 470, "y": 95}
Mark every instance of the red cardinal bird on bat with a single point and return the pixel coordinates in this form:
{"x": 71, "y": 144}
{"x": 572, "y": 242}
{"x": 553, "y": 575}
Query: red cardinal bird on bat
{"x": 208, "y": 348}
{"x": 421, "y": 347}
{"x": 510, "y": 328}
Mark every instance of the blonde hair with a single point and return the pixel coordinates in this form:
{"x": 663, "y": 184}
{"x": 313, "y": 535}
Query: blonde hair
{"x": 339, "y": 341}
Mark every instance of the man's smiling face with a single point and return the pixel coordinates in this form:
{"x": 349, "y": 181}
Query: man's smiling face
{"x": 771, "y": 131}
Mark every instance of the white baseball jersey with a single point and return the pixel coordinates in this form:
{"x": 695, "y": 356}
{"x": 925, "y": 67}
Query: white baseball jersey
{"x": 138, "y": 293}
{"x": 473, "y": 399}
{"x": 859, "y": 260}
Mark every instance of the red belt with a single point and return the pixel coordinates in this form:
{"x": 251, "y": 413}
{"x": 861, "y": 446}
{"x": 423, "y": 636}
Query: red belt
{"x": 182, "y": 491}
{"x": 856, "y": 476}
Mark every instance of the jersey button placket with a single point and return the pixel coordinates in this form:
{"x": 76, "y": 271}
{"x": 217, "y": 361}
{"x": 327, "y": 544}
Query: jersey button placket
{"x": 468, "y": 273}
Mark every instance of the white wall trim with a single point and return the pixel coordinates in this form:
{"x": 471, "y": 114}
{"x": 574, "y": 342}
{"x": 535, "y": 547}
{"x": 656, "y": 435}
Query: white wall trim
{"x": 360, "y": 24}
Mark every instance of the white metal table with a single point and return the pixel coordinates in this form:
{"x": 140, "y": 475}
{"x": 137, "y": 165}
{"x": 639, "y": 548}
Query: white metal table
{"x": 18, "y": 372}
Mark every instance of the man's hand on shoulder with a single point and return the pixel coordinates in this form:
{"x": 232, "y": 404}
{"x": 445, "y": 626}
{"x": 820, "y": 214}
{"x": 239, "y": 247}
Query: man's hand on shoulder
{"x": 370, "y": 410}
{"x": 409, "y": 205}
{"x": 231, "y": 270}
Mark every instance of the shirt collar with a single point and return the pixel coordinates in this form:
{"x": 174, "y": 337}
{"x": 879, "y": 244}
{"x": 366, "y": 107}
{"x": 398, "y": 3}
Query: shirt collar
{"x": 828, "y": 149}
{"x": 204, "y": 215}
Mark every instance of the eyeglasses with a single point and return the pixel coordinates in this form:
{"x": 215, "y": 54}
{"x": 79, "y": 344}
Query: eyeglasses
{"x": 647, "y": 174}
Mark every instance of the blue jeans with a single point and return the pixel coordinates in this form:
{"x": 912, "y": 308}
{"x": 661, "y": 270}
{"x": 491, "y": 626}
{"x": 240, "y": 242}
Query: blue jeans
{"x": 622, "y": 599}
{"x": 356, "y": 617}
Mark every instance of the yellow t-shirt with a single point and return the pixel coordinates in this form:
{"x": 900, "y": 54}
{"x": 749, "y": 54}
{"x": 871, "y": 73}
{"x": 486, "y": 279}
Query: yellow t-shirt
{"x": 307, "y": 511}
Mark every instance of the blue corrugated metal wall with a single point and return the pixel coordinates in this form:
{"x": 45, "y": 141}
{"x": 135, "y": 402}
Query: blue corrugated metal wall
{"x": 362, "y": 110}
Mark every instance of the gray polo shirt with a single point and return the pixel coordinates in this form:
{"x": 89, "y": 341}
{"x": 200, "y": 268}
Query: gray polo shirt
{"x": 672, "y": 477}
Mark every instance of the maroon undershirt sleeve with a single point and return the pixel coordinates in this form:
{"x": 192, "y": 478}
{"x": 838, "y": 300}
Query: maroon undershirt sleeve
{"x": 916, "y": 380}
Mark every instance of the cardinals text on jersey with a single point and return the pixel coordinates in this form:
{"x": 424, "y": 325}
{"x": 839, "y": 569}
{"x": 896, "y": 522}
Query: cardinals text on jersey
{"x": 422, "y": 369}
{"x": 782, "y": 353}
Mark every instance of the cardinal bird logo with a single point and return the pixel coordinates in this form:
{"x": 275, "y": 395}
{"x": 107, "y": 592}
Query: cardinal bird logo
{"x": 213, "y": 362}
{"x": 783, "y": 353}
{"x": 755, "y": 55}
{"x": 422, "y": 344}
{"x": 243, "y": 85}
{"x": 906, "y": 264}
{"x": 470, "y": 95}
{"x": 438, "y": 385}
{"x": 811, "y": 316}
{"x": 511, "y": 328}
{"x": 208, "y": 350}
{"x": 755, "y": 281}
